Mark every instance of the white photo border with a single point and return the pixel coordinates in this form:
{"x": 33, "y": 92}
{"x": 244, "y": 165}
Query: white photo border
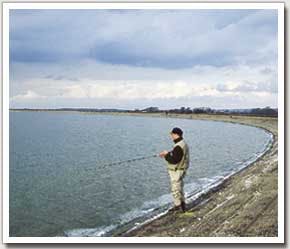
{"x": 6, "y": 6}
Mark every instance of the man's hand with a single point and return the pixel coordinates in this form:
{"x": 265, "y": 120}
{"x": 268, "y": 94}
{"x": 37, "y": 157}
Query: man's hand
{"x": 163, "y": 153}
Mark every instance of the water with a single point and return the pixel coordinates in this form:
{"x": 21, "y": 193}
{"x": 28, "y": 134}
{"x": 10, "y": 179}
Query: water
{"x": 58, "y": 186}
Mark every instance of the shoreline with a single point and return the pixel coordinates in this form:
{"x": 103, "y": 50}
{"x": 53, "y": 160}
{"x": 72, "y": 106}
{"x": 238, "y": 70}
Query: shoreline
{"x": 246, "y": 202}
{"x": 192, "y": 199}
{"x": 243, "y": 204}
{"x": 256, "y": 212}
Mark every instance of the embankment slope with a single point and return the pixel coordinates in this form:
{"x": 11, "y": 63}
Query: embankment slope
{"x": 246, "y": 204}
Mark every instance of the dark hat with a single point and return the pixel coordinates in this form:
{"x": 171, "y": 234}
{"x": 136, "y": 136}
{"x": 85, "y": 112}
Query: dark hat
{"x": 177, "y": 131}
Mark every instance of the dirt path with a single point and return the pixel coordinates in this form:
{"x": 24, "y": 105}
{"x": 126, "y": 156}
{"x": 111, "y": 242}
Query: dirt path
{"x": 246, "y": 204}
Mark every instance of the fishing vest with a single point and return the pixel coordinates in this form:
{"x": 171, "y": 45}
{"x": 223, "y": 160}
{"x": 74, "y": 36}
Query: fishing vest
{"x": 184, "y": 163}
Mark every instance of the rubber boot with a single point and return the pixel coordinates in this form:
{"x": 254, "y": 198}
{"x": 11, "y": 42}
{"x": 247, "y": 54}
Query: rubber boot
{"x": 183, "y": 206}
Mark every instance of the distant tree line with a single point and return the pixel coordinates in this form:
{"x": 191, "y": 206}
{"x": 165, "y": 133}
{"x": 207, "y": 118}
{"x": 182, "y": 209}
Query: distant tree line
{"x": 267, "y": 111}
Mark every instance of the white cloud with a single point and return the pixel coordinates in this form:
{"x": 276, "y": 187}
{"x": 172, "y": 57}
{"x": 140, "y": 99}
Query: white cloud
{"x": 137, "y": 90}
{"x": 93, "y": 83}
{"x": 29, "y": 95}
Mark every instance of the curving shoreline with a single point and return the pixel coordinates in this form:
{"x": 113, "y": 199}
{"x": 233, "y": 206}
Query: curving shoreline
{"x": 244, "y": 204}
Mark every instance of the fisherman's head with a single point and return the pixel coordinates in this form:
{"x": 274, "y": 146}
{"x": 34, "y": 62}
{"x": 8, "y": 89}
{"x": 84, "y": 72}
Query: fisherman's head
{"x": 176, "y": 133}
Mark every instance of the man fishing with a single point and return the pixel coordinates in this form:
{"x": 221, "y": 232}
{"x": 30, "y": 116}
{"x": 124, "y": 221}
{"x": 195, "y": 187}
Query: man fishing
{"x": 177, "y": 164}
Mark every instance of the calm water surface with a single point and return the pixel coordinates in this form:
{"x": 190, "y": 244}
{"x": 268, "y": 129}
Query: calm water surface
{"x": 59, "y": 187}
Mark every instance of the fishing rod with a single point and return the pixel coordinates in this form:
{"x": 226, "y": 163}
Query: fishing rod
{"x": 127, "y": 161}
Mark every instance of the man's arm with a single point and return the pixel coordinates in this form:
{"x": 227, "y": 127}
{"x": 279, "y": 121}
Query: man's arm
{"x": 174, "y": 156}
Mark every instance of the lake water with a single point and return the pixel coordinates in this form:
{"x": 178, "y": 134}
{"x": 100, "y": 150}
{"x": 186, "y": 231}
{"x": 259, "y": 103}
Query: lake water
{"x": 59, "y": 185}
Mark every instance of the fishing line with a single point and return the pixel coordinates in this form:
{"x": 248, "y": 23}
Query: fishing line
{"x": 126, "y": 161}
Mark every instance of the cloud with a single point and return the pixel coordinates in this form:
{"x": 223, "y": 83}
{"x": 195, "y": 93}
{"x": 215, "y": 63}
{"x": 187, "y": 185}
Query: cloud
{"x": 220, "y": 100}
{"x": 92, "y": 70}
{"x": 100, "y": 84}
{"x": 148, "y": 38}
{"x": 136, "y": 90}
{"x": 29, "y": 95}
{"x": 131, "y": 58}
{"x": 248, "y": 87}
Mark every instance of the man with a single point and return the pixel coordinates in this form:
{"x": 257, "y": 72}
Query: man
{"x": 177, "y": 164}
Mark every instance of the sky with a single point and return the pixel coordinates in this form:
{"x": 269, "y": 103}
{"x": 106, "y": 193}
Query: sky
{"x": 131, "y": 59}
